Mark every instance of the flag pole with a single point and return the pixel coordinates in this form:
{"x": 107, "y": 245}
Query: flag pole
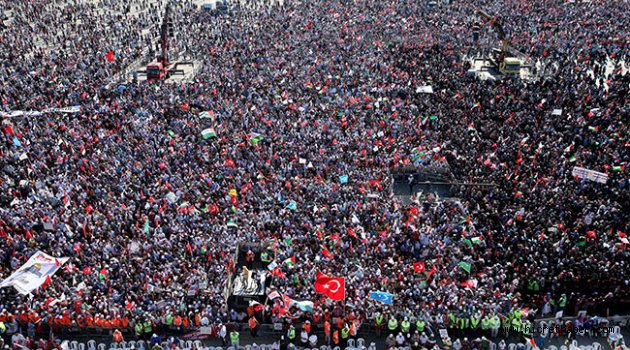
{"x": 344, "y": 298}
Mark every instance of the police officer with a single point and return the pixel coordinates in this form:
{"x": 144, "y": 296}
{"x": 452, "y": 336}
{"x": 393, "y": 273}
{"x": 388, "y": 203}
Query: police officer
{"x": 404, "y": 326}
{"x": 234, "y": 338}
{"x": 562, "y": 302}
{"x": 392, "y": 324}
{"x": 291, "y": 334}
{"x": 379, "y": 320}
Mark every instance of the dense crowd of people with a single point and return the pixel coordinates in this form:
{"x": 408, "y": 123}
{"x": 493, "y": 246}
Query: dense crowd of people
{"x": 300, "y": 96}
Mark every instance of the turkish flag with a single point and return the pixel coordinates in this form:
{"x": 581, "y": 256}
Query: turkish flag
{"x": 332, "y": 287}
{"x": 418, "y": 267}
{"x": 47, "y": 282}
{"x": 110, "y": 56}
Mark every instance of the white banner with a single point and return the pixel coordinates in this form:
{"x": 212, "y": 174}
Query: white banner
{"x": 72, "y": 109}
{"x": 33, "y": 274}
{"x": 424, "y": 89}
{"x": 590, "y": 175}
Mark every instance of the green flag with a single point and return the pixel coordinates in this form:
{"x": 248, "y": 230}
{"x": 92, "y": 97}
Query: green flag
{"x": 231, "y": 223}
{"x": 254, "y": 138}
{"x": 465, "y": 266}
{"x": 467, "y": 242}
{"x": 476, "y": 240}
{"x": 146, "y": 225}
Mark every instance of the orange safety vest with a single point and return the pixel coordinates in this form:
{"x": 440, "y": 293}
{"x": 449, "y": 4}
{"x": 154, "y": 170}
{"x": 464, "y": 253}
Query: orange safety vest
{"x": 177, "y": 321}
{"x": 107, "y": 323}
{"x": 307, "y": 328}
{"x": 326, "y": 327}
{"x": 335, "y": 337}
{"x": 3, "y": 318}
{"x": 317, "y": 317}
{"x": 89, "y": 321}
{"x": 186, "y": 322}
{"x": 81, "y": 322}
{"x": 98, "y": 322}
{"x": 115, "y": 323}
{"x": 252, "y": 323}
{"x": 353, "y": 330}
{"x": 340, "y": 322}
{"x": 197, "y": 320}
{"x": 124, "y": 323}
{"x": 118, "y": 338}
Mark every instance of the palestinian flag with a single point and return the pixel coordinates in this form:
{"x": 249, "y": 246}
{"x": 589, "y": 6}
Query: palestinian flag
{"x": 304, "y": 305}
{"x": 465, "y": 220}
{"x": 290, "y": 262}
{"x": 231, "y": 223}
{"x": 102, "y": 275}
{"x": 255, "y": 138}
{"x": 476, "y": 240}
{"x": 206, "y": 115}
{"x": 208, "y": 133}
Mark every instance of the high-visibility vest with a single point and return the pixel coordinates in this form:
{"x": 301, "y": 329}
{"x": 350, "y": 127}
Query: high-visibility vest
{"x": 516, "y": 323}
{"x": 344, "y": 333}
{"x": 392, "y": 324}
{"x": 252, "y": 323}
{"x": 291, "y": 333}
{"x": 452, "y": 321}
{"x": 563, "y": 301}
{"x": 3, "y": 328}
{"x": 234, "y": 337}
{"x": 148, "y": 328}
{"x": 307, "y": 327}
{"x": 340, "y": 322}
{"x": 496, "y": 322}
{"x": 177, "y": 321}
{"x": 169, "y": 320}
{"x": 352, "y": 330}
{"x": 420, "y": 326}
{"x": 326, "y": 327}
{"x": 404, "y": 326}
{"x": 118, "y": 337}
{"x": 379, "y": 320}
{"x": 335, "y": 337}
{"x": 463, "y": 323}
{"x": 139, "y": 328}
{"x": 474, "y": 322}
{"x": 485, "y": 323}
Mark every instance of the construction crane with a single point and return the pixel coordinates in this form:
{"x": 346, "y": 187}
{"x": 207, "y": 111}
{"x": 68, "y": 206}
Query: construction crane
{"x": 505, "y": 63}
{"x": 162, "y": 68}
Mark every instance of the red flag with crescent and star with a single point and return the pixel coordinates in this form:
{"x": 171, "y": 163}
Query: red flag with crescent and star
{"x": 332, "y": 287}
